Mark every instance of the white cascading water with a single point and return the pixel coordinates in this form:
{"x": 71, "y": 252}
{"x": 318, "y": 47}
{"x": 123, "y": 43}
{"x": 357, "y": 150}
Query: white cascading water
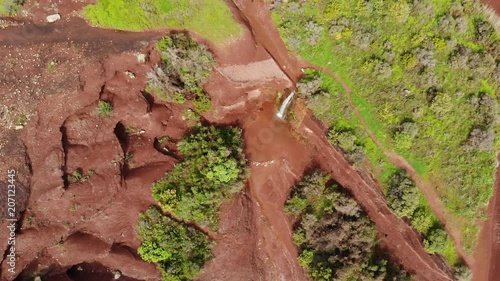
{"x": 281, "y": 113}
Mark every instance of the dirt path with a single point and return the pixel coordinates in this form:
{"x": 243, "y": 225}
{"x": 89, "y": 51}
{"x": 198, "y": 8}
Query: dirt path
{"x": 430, "y": 193}
{"x": 73, "y": 29}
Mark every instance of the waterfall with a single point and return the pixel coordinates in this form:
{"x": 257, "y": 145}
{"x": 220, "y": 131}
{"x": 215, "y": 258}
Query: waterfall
{"x": 281, "y": 113}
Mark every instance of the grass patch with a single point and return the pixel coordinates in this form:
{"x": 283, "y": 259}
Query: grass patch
{"x": 209, "y": 18}
{"x": 104, "y": 109}
{"x": 366, "y": 109}
{"x": 3, "y": 10}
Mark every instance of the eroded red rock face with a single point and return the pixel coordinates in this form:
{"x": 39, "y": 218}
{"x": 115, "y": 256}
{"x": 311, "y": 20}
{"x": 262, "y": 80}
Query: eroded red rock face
{"x": 92, "y": 220}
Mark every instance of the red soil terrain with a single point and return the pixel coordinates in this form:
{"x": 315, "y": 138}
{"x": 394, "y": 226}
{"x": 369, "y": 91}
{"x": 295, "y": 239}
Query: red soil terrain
{"x": 494, "y": 4}
{"x": 87, "y": 230}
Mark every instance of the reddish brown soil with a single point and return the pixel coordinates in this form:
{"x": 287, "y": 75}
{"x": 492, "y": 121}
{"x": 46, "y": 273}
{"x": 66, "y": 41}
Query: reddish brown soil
{"x": 261, "y": 248}
{"x": 495, "y": 4}
{"x": 255, "y": 236}
{"x": 255, "y": 15}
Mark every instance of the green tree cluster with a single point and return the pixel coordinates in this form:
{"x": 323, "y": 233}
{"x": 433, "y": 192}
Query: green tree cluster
{"x": 212, "y": 169}
{"x": 336, "y": 239}
{"x": 179, "y": 250}
{"x": 184, "y": 68}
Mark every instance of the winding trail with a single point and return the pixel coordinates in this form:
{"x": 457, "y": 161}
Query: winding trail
{"x": 75, "y": 30}
{"x": 430, "y": 193}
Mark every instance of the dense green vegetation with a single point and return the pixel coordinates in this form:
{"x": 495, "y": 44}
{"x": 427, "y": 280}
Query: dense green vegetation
{"x": 212, "y": 169}
{"x": 184, "y": 68}
{"x": 179, "y": 250}
{"x": 209, "y": 18}
{"x": 425, "y": 76}
{"x": 336, "y": 239}
{"x": 10, "y": 7}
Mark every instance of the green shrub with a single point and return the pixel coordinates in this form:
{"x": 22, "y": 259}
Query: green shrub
{"x": 406, "y": 200}
{"x": 104, "y": 108}
{"x": 202, "y": 103}
{"x": 11, "y": 7}
{"x": 179, "y": 250}
{"x": 212, "y": 169}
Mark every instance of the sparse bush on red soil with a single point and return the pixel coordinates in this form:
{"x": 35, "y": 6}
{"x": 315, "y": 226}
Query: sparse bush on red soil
{"x": 184, "y": 68}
